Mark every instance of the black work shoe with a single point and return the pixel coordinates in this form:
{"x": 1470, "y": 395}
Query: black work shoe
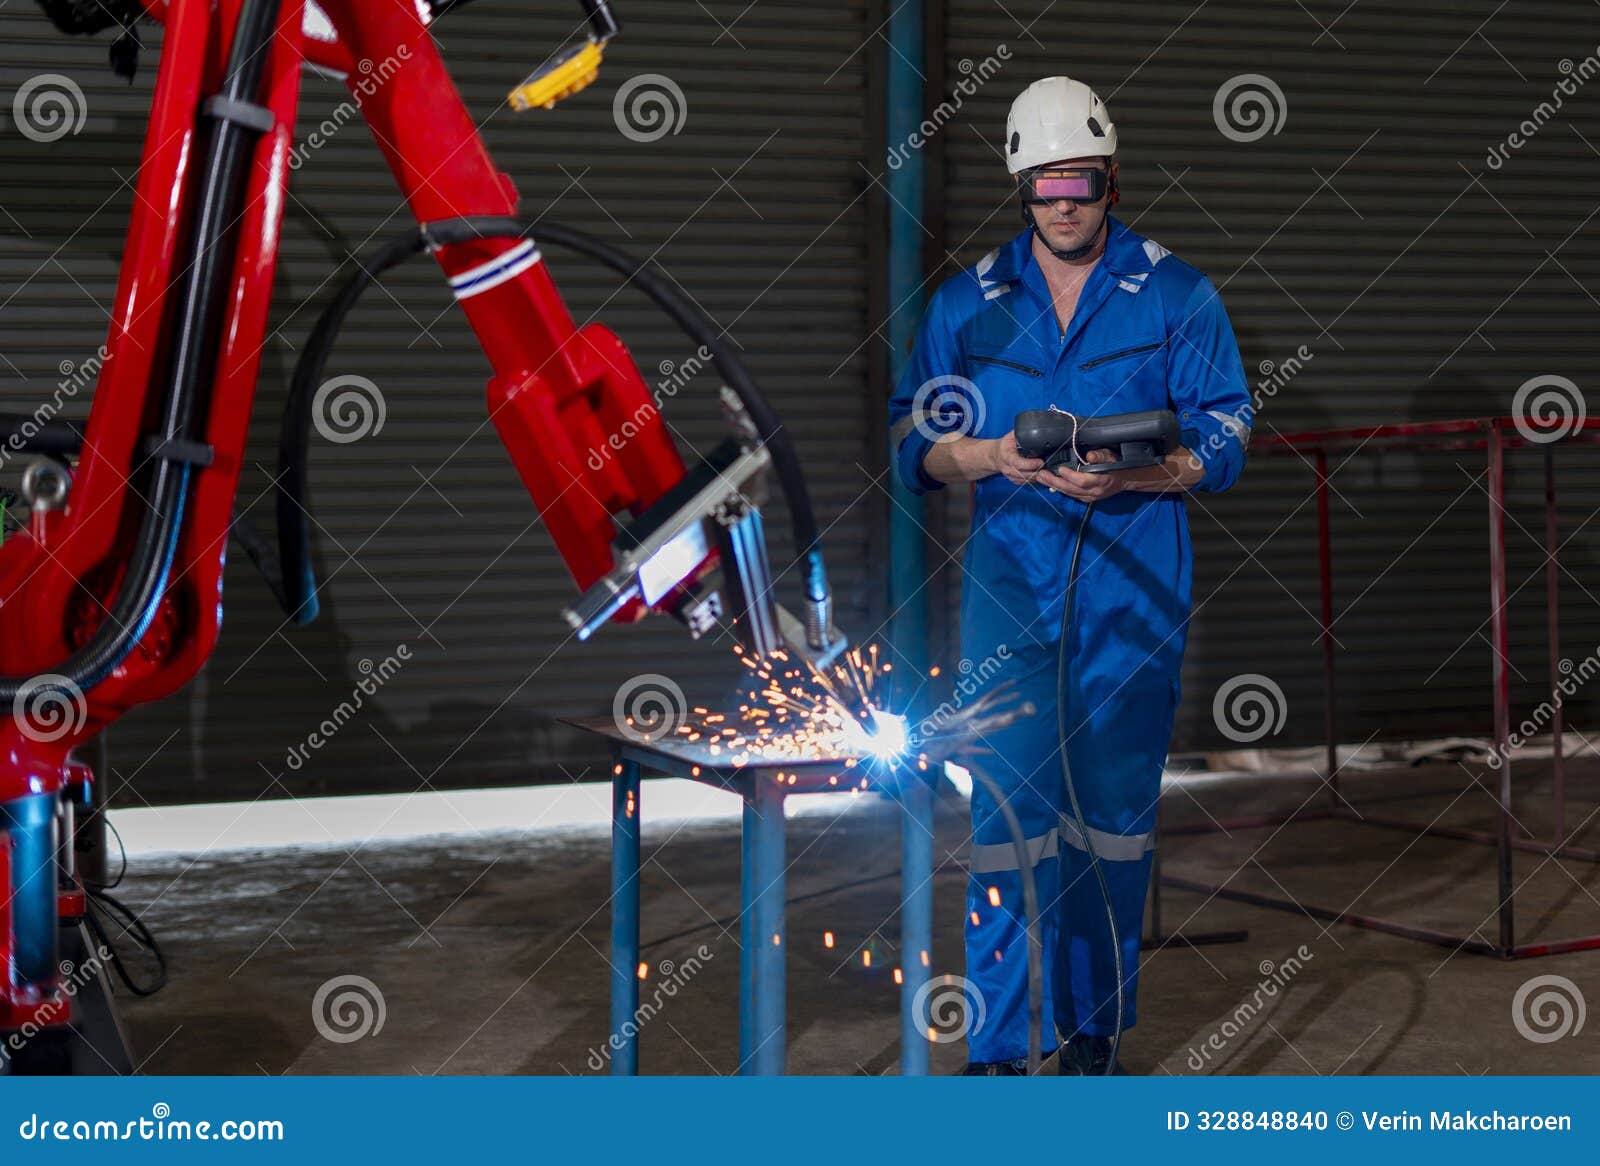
{"x": 995, "y": 1069}
{"x": 1088, "y": 1056}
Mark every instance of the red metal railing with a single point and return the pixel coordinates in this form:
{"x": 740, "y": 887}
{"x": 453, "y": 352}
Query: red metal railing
{"x": 1496, "y": 436}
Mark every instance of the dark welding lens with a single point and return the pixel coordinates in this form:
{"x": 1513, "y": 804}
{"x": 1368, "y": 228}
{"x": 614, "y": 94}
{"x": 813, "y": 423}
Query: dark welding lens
{"x": 1073, "y": 185}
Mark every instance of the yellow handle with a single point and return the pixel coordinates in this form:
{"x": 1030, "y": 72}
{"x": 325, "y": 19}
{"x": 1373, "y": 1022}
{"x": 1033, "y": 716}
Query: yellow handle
{"x": 562, "y": 77}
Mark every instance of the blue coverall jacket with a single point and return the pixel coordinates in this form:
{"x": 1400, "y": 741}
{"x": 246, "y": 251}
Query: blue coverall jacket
{"x": 1149, "y": 332}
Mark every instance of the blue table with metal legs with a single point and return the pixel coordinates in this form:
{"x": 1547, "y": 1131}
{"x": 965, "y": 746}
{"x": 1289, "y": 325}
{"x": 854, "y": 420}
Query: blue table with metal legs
{"x": 761, "y": 890}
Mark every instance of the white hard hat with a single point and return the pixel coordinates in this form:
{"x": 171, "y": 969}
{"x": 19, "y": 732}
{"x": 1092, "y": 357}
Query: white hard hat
{"x": 1054, "y": 119}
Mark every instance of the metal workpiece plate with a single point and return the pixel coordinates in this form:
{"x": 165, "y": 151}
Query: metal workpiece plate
{"x": 675, "y": 755}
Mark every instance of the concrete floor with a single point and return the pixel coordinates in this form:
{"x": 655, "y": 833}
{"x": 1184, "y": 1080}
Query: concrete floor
{"x": 489, "y": 953}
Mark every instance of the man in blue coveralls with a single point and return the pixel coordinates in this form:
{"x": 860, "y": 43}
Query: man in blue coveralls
{"x": 1080, "y": 313}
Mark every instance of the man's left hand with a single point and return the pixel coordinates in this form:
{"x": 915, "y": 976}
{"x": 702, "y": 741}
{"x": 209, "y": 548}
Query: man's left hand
{"x": 1086, "y": 487}
{"x": 1178, "y": 472}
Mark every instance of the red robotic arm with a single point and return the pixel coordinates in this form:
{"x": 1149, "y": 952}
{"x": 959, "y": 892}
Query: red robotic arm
{"x": 580, "y": 425}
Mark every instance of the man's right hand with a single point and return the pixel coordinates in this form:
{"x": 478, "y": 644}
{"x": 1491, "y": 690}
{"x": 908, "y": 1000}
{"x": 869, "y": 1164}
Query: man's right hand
{"x": 971, "y": 459}
{"x": 1007, "y": 460}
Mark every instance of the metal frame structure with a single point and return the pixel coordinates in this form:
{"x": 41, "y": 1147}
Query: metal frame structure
{"x": 1496, "y": 436}
{"x": 764, "y": 787}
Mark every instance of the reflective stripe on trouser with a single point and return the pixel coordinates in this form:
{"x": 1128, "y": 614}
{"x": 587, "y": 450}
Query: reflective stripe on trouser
{"x": 1117, "y": 773}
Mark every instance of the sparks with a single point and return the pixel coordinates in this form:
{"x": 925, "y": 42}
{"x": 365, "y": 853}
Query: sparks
{"x": 884, "y": 736}
{"x": 798, "y": 712}
{"x": 844, "y": 713}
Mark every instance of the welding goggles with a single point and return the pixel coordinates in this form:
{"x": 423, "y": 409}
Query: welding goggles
{"x": 1045, "y": 184}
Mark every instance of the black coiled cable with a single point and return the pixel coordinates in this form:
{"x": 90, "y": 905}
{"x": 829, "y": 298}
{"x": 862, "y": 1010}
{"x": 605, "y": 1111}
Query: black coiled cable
{"x": 124, "y": 916}
{"x": 1072, "y": 792}
{"x": 294, "y": 530}
{"x": 99, "y": 899}
{"x": 1019, "y": 843}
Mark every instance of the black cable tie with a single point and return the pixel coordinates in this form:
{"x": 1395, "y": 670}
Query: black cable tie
{"x": 172, "y": 449}
{"x": 241, "y": 113}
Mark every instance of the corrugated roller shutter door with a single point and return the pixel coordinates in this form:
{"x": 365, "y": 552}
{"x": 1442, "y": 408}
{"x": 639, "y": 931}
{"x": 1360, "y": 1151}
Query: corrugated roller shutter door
{"x": 427, "y": 539}
{"x": 1423, "y": 283}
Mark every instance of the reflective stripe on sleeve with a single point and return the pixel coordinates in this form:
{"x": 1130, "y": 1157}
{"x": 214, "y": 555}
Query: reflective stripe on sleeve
{"x": 1237, "y": 429}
